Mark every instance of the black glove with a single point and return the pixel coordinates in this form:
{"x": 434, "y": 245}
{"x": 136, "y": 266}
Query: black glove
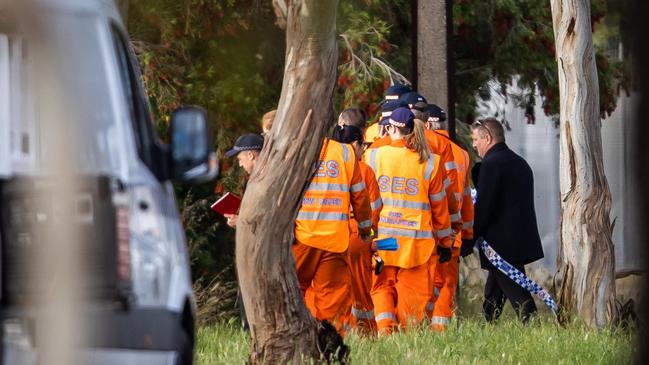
{"x": 378, "y": 264}
{"x": 467, "y": 247}
{"x": 444, "y": 254}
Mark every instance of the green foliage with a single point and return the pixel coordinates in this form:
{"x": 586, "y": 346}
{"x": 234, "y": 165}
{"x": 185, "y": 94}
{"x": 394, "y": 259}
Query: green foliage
{"x": 504, "y": 39}
{"x": 467, "y": 341}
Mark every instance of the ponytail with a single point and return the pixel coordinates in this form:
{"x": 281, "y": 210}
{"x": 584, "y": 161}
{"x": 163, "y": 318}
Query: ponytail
{"x": 416, "y": 140}
{"x": 347, "y": 134}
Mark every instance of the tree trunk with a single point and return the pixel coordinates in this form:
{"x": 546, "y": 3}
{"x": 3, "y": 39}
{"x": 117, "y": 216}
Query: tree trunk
{"x": 435, "y": 68}
{"x": 586, "y": 259}
{"x": 282, "y": 329}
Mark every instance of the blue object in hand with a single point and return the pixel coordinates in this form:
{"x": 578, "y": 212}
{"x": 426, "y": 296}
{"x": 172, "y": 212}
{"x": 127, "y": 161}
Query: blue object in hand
{"x": 387, "y": 244}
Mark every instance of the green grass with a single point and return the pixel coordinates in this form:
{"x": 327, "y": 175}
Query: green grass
{"x": 467, "y": 341}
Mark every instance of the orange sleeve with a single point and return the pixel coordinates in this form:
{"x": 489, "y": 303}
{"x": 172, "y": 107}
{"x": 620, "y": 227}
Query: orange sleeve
{"x": 467, "y": 209}
{"x": 360, "y": 201}
{"x": 439, "y": 205}
{"x": 450, "y": 186}
{"x": 372, "y": 186}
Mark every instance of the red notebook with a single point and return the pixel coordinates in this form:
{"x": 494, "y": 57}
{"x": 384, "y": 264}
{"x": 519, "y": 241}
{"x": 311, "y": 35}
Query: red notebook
{"x": 227, "y": 204}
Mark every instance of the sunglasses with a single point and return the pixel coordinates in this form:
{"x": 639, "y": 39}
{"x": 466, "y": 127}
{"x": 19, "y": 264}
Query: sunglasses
{"x": 481, "y": 124}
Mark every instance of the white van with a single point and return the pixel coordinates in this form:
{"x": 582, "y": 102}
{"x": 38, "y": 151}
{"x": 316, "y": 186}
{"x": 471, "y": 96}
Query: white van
{"x": 67, "y": 72}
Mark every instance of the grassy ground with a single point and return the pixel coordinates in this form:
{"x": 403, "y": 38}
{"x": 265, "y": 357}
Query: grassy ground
{"x": 468, "y": 341}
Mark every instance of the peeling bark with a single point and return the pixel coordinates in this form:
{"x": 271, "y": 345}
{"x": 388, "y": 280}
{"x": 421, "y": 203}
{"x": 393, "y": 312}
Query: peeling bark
{"x": 282, "y": 329}
{"x": 586, "y": 257}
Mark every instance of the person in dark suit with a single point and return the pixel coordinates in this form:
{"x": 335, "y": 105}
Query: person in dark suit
{"x": 505, "y": 218}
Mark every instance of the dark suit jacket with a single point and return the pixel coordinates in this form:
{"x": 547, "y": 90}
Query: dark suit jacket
{"x": 504, "y": 211}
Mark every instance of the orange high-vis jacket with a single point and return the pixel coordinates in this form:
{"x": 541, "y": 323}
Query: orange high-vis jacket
{"x": 323, "y": 219}
{"x": 441, "y": 146}
{"x": 463, "y": 190}
{"x": 373, "y": 191}
{"x": 415, "y": 209}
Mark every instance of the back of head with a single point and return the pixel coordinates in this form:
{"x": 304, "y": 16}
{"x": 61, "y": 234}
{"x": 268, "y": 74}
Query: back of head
{"x": 492, "y": 126}
{"x": 267, "y": 119}
{"x": 355, "y": 117}
{"x": 347, "y": 134}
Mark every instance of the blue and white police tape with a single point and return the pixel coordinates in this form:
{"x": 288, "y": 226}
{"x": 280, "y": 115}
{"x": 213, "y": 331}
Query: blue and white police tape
{"x": 515, "y": 274}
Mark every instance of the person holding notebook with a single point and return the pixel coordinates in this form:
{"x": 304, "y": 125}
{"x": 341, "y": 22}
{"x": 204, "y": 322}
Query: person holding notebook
{"x": 246, "y": 149}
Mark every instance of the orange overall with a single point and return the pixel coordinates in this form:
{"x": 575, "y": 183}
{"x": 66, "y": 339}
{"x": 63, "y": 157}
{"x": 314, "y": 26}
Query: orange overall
{"x": 446, "y": 274}
{"x": 415, "y": 212}
{"x": 322, "y": 231}
{"x": 360, "y": 260}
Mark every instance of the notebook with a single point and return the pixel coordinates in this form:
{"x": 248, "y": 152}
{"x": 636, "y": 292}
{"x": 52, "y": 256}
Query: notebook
{"x": 227, "y": 204}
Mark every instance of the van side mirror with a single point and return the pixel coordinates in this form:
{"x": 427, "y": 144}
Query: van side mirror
{"x": 193, "y": 157}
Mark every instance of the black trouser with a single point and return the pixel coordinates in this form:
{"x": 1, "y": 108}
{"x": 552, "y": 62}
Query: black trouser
{"x": 500, "y": 287}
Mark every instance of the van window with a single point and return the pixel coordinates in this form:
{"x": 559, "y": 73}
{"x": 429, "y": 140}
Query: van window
{"x": 148, "y": 145}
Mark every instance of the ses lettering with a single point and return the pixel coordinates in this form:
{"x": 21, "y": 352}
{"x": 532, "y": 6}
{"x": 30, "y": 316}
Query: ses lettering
{"x": 398, "y": 185}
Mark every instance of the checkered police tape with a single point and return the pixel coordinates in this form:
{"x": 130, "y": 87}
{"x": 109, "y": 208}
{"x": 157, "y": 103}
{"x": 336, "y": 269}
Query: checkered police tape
{"x": 514, "y": 274}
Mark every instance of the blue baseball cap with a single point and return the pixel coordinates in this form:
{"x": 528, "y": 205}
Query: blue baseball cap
{"x": 394, "y": 92}
{"x": 414, "y": 99}
{"x": 435, "y": 111}
{"x": 402, "y": 117}
{"x": 247, "y": 142}
{"x": 388, "y": 107}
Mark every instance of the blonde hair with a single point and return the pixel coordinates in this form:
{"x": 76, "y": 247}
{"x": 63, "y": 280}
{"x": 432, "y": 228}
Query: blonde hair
{"x": 416, "y": 140}
{"x": 267, "y": 119}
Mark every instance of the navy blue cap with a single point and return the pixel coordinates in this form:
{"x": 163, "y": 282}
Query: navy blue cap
{"x": 435, "y": 111}
{"x": 247, "y": 142}
{"x": 394, "y": 92}
{"x": 402, "y": 117}
{"x": 388, "y": 107}
{"x": 413, "y": 98}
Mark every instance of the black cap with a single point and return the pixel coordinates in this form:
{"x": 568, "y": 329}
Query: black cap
{"x": 247, "y": 142}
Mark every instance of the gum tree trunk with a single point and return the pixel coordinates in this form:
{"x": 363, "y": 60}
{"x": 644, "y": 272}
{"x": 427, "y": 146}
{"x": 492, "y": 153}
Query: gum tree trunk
{"x": 282, "y": 329}
{"x": 586, "y": 259}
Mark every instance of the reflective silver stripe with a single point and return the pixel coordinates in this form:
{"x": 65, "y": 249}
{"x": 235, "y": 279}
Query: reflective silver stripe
{"x": 447, "y": 183}
{"x": 440, "y": 320}
{"x": 361, "y": 314}
{"x": 322, "y": 216}
{"x": 450, "y": 165}
{"x": 391, "y": 97}
{"x": 456, "y": 217}
{"x": 398, "y": 203}
{"x": 345, "y": 153}
{"x": 430, "y": 306}
{"x": 443, "y": 232}
{"x": 386, "y": 114}
{"x": 467, "y": 191}
{"x": 467, "y": 225}
{"x": 457, "y": 196}
{"x": 365, "y": 224}
{"x": 405, "y": 233}
{"x": 430, "y": 165}
{"x": 328, "y": 187}
{"x": 377, "y": 204}
{"x": 357, "y": 187}
{"x": 385, "y": 315}
{"x": 373, "y": 159}
{"x": 437, "y": 197}
{"x": 436, "y": 291}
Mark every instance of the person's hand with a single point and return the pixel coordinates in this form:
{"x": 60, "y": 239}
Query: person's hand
{"x": 444, "y": 254}
{"x": 467, "y": 247}
{"x": 231, "y": 219}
